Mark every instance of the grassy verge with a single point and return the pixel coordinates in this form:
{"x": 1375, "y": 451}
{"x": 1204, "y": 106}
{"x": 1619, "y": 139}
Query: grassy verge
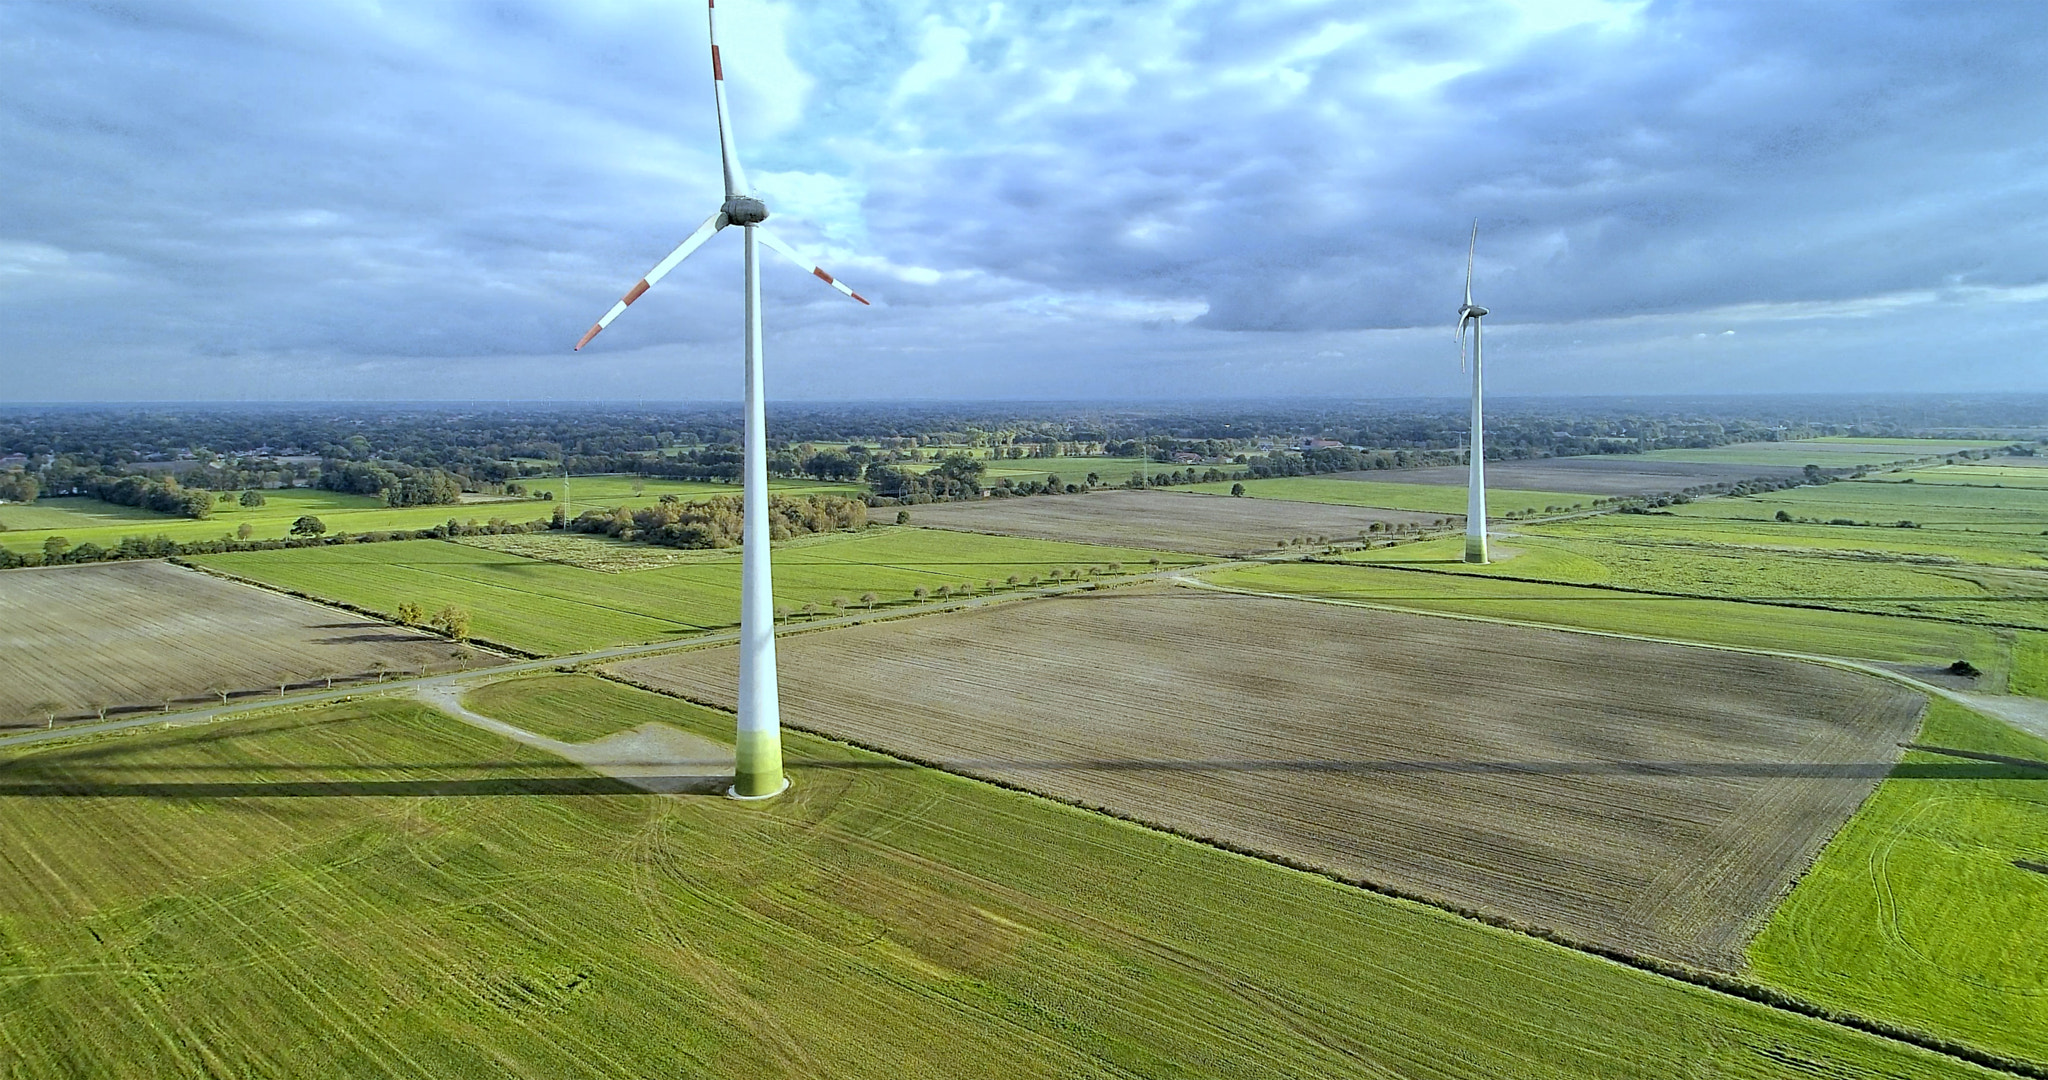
{"x": 269, "y": 904}
{"x": 1919, "y": 912}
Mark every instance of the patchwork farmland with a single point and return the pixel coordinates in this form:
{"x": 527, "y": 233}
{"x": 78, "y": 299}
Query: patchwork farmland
{"x": 1643, "y": 797}
{"x": 144, "y": 634}
{"x": 1169, "y": 520}
{"x": 374, "y": 889}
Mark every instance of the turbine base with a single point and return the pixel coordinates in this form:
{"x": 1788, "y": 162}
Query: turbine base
{"x": 733, "y": 792}
{"x": 1475, "y": 549}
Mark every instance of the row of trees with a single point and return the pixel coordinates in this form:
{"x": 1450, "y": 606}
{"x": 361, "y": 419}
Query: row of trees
{"x": 399, "y": 486}
{"x": 18, "y": 486}
{"x": 165, "y": 496}
{"x": 716, "y": 523}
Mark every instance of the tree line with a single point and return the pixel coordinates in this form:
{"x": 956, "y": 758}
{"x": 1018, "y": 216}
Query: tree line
{"x": 717, "y": 523}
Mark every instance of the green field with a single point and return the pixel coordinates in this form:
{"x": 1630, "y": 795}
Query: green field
{"x": 371, "y": 889}
{"x": 551, "y": 608}
{"x": 1844, "y": 452}
{"x": 79, "y": 520}
{"x": 1715, "y": 622}
{"x": 1918, "y": 912}
{"x": 1070, "y": 470}
{"x": 1425, "y": 498}
{"x": 1867, "y": 581}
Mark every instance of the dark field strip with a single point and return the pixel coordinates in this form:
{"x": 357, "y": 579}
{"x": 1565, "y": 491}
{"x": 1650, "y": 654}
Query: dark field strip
{"x": 878, "y": 921}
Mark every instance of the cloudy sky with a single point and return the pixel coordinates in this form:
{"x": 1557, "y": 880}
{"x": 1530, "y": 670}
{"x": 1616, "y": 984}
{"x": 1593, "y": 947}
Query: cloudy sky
{"x": 1181, "y": 198}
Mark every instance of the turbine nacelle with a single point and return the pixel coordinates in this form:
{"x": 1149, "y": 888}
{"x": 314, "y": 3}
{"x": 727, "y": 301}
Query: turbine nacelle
{"x": 744, "y": 210}
{"x": 1471, "y": 311}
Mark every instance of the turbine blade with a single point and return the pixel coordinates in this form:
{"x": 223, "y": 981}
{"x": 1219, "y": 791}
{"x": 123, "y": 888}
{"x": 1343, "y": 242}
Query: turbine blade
{"x": 1462, "y": 320}
{"x": 1469, "y": 252}
{"x": 704, "y": 232}
{"x": 788, "y": 252}
{"x": 735, "y": 177}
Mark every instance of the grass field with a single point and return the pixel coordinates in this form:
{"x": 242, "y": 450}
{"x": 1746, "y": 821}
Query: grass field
{"x": 1921, "y": 911}
{"x": 1484, "y": 765}
{"x": 1912, "y": 642}
{"x": 143, "y": 634}
{"x": 1426, "y": 498}
{"x": 1828, "y": 453}
{"x": 1878, "y": 582}
{"x": 351, "y": 892}
{"x": 551, "y": 608}
{"x": 79, "y": 520}
{"x": 1175, "y": 520}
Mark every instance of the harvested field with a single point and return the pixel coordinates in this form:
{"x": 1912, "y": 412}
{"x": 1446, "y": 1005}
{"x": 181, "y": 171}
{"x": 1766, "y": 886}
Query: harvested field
{"x": 1650, "y": 798}
{"x": 1622, "y": 474}
{"x": 140, "y": 634}
{"x": 1175, "y": 521}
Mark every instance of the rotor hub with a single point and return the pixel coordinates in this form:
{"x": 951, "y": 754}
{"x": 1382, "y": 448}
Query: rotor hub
{"x": 745, "y": 210}
{"x": 1471, "y": 311}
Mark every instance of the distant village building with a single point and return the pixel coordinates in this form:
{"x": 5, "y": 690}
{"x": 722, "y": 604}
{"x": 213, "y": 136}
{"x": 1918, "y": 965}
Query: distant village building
{"x": 1318, "y": 444}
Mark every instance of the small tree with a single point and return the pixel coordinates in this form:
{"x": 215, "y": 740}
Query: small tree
{"x": 245, "y": 530}
{"x": 869, "y": 599}
{"x": 1116, "y": 568}
{"x": 1237, "y": 490}
{"x": 380, "y": 669}
{"x": 989, "y": 585}
{"x": 98, "y": 707}
{"x": 453, "y": 621}
{"x": 328, "y": 675}
{"x": 839, "y": 603}
{"x": 1153, "y": 562}
{"x": 252, "y": 497}
{"x": 49, "y": 709}
{"x": 902, "y": 517}
{"x": 308, "y": 526}
{"x": 920, "y": 592}
{"x": 410, "y": 614}
{"x": 222, "y": 690}
{"x": 283, "y": 685}
{"x": 810, "y": 608}
{"x": 1013, "y": 580}
{"x": 945, "y": 591}
{"x": 1784, "y": 516}
{"x": 781, "y": 612}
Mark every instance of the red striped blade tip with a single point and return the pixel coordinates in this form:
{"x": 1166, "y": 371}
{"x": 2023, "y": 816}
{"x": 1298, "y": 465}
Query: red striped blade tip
{"x": 585, "y": 340}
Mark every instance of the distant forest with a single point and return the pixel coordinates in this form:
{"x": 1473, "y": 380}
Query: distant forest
{"x": 428, "y": 454}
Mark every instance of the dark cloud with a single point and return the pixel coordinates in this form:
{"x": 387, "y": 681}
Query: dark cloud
{"x": 288, "y": 200}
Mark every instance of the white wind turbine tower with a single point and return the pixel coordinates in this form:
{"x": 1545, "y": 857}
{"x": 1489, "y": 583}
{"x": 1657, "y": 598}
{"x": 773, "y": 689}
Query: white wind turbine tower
{"x": 1475, "y": 482}
{"x": 757, "y": 772}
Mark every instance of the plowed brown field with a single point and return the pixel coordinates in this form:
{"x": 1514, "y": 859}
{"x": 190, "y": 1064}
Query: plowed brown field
{"x": 1610, "y": 474}
{"x": 132, "y": 634}
{"x": 1172, "y": 520}
{"x": 1650, "y": 798}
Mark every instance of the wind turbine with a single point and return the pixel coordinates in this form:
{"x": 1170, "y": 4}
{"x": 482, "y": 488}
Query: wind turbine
{"x": 757, "y": 753}
{"x": 1475, "y": 481}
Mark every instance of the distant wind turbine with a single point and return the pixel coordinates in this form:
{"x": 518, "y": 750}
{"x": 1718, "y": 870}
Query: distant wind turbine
{"x": 757, "y": 772}
{"x": 1475, "y": 482}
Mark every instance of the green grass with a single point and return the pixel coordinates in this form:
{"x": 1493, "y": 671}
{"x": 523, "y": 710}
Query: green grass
{"x": 552, "y": 608}
{"x": 579, "y": 708}
{"x": 1916, "y": 912}
{"x": 1872, "y": 582}
{"x": 1425, "y": 498}
{"x": 1714, "y": 622}
{"x": 79, "y": 520}
{"x": 1070, "y": 470}
{"x": 617, "y": 489}
{"x": 372, "y": 890}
